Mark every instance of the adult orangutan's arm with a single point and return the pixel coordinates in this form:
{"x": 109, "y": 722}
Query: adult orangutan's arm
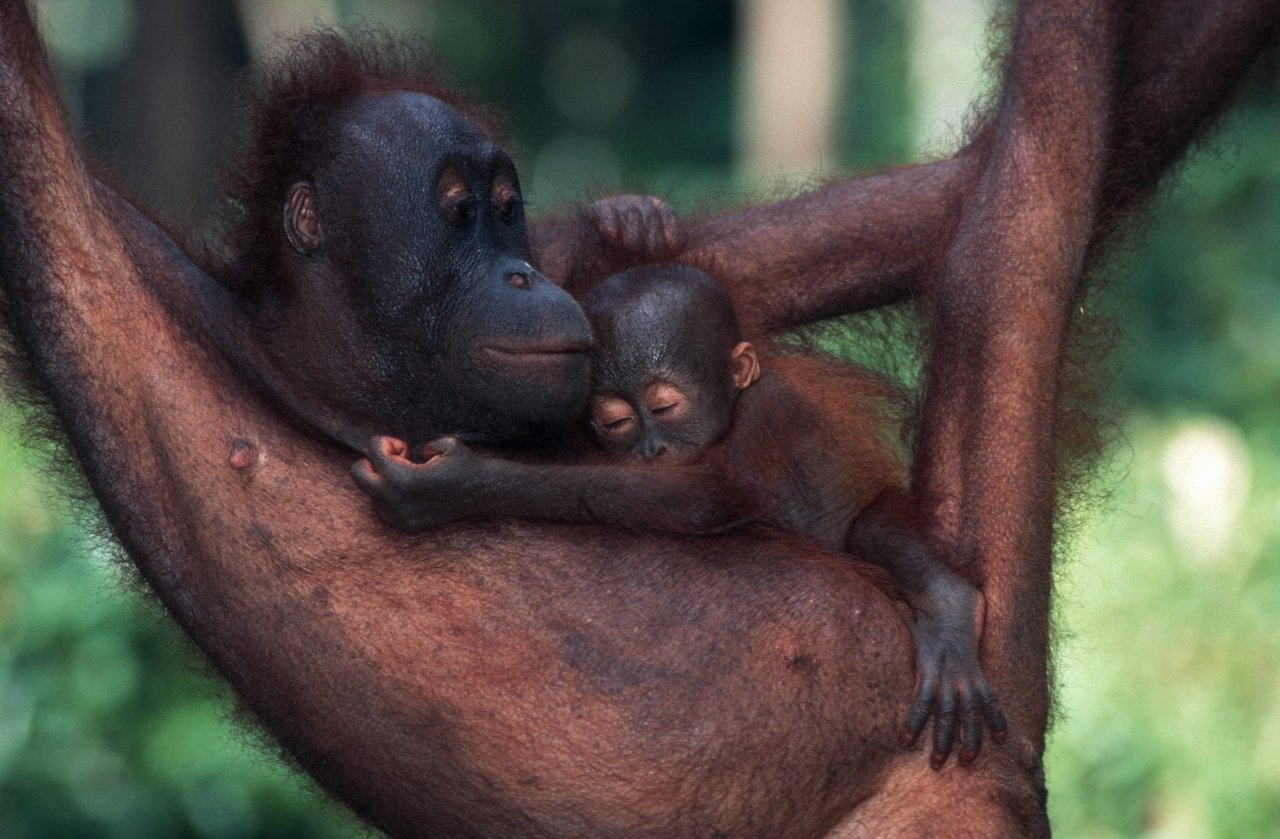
{"x": 868, "y": 242}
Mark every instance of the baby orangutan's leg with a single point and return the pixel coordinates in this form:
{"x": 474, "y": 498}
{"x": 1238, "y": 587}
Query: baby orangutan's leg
{"x": 946, "y": 626}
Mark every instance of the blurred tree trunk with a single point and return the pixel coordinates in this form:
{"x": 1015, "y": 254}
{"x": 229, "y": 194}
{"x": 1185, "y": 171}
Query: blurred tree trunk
{"x": 158, "y": 117}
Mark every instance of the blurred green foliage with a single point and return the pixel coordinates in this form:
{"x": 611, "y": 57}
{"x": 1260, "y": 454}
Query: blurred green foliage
{"x": 1169, "y": 656}
{"x": 107, "y": 727}
{"x": 1169, "y": 649}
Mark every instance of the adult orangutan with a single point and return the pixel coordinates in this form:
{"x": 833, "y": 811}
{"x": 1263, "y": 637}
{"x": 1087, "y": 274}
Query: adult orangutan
{"x": 531, "y": 680}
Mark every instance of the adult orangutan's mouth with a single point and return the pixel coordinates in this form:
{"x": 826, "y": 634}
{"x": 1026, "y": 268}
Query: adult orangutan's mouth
{"x": 546, "y": 348}
{"x": 541, "y": 354}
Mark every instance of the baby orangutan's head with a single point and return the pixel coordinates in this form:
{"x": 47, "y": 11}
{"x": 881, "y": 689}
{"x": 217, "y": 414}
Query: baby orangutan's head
{"x": 668, "y": 364}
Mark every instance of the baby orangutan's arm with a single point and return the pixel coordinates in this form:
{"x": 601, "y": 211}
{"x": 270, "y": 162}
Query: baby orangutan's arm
{"x": 452, "y": 482}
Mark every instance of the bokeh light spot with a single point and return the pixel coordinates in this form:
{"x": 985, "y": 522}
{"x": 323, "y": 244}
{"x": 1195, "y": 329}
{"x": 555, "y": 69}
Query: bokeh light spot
{"x": 590, "y": 78}
{"x": 1206, "y": 468}
{"x": 88, "y": 34}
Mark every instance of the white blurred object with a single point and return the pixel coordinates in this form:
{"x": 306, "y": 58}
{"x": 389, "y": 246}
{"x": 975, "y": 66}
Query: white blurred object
{"x": 265, "y": 19}
{"x": 789, "y": 62}
{"x": 1207, "y": 469}
{"x": 948, "y": 54}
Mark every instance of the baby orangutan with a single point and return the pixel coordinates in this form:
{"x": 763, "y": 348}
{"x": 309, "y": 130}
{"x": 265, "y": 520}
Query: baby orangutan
{"x": 696, "y": 436}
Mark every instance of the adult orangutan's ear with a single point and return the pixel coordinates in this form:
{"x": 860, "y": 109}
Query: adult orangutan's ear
{"x": 301, "y": 221}
{"x": 746, "y": 365}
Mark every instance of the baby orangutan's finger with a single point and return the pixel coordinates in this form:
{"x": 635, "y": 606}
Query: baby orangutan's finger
{"x": 971, "y": 716}
{"x": 921, "y": 707}
{"x": 384, "y": 451}
{"x": 944, "y": 727}
{"x": 606, "y": 219}
{"x": 991, "y": 708}
{"x": 365, "y": 476}
{"x": 670, "y": 221}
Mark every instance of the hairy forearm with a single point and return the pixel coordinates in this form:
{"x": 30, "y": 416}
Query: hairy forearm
{"x": 850, "y": 246}
{"x": 680, "y": 499}
{"x": 44, "y": 190}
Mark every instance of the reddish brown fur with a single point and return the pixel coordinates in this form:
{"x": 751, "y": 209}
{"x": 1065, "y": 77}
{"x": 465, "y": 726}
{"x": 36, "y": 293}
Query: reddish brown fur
{"x": 551, "y": 681}
{"x": 863, "y": 415}
{"x": 804, "y": 259}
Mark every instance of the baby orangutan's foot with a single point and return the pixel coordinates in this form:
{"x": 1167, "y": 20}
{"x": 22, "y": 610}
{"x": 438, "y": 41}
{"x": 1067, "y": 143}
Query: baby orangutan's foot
{"x": 950, "y": 684}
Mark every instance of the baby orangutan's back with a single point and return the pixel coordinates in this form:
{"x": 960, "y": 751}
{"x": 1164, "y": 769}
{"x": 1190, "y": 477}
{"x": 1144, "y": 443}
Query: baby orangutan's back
{"x": 813, "y": 442}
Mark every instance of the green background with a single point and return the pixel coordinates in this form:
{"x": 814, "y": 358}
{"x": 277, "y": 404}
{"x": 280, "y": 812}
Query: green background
{"x": 1168, "y": 656}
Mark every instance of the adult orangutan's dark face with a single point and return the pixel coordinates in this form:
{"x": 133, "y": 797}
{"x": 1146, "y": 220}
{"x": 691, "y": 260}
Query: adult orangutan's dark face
{"x": 411, "y": 259}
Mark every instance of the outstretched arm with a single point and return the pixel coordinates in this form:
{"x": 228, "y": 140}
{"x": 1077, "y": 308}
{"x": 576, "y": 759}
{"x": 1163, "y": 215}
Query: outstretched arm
{"x": 59, "y": 226}
{"x": 59, "y": 248}
{"x": 454, "y": 483}
{"x": 49, "y": 212}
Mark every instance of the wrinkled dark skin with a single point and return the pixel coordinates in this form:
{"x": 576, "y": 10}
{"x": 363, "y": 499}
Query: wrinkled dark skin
{"x": 673, "y": 385}
{"x": 541, "y": 680}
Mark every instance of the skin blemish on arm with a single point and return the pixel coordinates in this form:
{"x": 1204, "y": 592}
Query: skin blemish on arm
{"x": 604, "y": 670}
{"x": 243, "y": 454}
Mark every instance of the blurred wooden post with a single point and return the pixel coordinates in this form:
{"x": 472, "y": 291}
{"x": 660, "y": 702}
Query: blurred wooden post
{"x": 789, "y": 51}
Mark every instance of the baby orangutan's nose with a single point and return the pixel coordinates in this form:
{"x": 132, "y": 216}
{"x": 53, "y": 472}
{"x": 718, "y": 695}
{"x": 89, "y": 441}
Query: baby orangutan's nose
{"x": 652, "y": 449}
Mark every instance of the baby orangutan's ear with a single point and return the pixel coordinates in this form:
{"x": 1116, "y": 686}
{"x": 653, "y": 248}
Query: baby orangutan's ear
{"x": 746, "y": 365}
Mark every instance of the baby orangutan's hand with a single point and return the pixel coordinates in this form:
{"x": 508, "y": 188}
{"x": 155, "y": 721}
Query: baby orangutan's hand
{"x": 439, "y": 486}
{"x": 638, "y": 223}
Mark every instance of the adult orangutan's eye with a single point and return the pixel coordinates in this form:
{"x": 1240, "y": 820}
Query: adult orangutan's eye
{"x": 457, "y": 204}
{"x": 507, "y": 209}
{"x": 460, "y": 212}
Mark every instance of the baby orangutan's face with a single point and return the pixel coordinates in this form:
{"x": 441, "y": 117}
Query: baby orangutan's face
{"x": 676, "y": 415}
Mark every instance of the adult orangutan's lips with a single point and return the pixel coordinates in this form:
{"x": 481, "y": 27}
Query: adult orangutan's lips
{"x": 545, "y": 353}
